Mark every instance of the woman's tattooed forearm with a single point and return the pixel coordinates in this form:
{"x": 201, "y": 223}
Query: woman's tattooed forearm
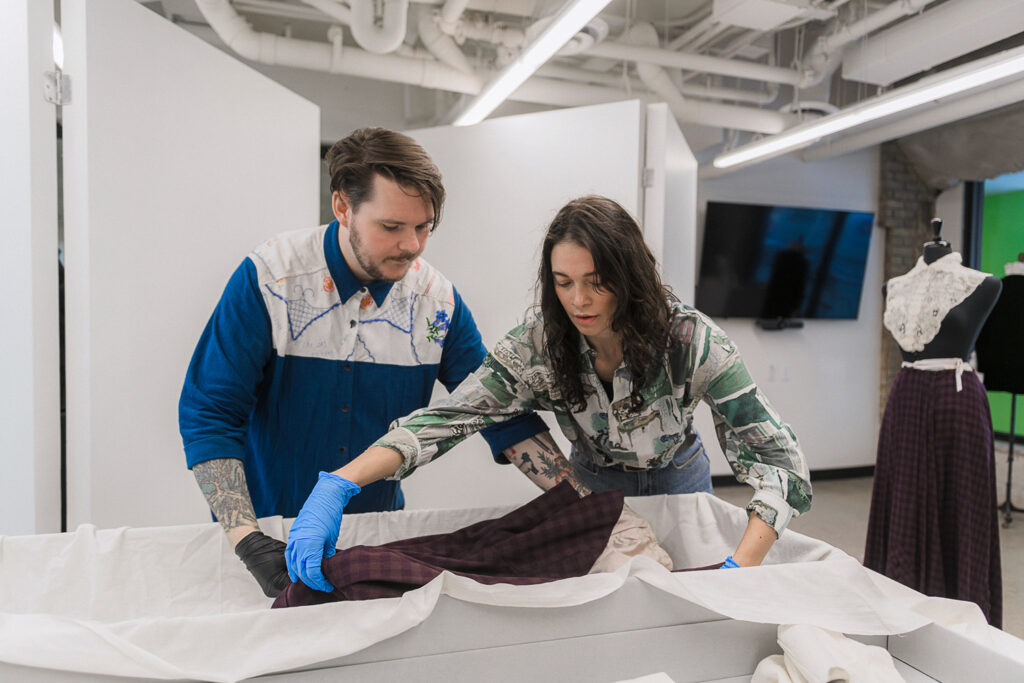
{"x": 222, "y": 481}
{"x": 540, "y": 459}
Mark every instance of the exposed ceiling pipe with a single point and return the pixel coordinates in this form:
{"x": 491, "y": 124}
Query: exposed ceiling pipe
{"x": 563, "y": 93}
{"x": 709, "y": 37}
{"x": 618, "y": 80}
{"x": 695, "y": 31}
{"x": 486, "y": 31}
{"x": 826, "y": 54}
{"x": 690, "y": 62}
{"x": 441, "y": 45}
{"x": 379, "y": 38}
{"x": 304, "y": 54}
{"x": 333, "y": 9}
{"x": 452, "y": 10}
{"x": 707, "y": 113}
{"x": 287, "y": 10}
{"x": 317, "y": 56}
{"x": 937, "y": 115}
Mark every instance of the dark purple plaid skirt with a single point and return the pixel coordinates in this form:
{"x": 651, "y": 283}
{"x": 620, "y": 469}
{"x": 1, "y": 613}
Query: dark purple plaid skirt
{"x": 555, "y": 536}
{"x": 934, "y": 525}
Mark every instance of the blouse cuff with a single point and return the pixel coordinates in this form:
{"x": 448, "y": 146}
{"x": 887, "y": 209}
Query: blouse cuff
{"x": 772, "y": 509}
{"x": 407, "y": 445}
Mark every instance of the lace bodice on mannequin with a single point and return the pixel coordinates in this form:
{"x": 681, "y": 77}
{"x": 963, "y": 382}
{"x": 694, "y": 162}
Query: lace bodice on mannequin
{"x": 917, "y": 302}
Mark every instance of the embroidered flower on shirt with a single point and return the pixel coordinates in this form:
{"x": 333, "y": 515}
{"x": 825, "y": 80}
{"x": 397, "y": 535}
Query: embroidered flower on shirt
{"x": 328, "y": 284}
{"x": 437, "y": 329}
{"x": 366, "y": 302}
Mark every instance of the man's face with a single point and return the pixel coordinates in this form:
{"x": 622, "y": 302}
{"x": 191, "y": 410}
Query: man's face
{"x": 386, "y": 233}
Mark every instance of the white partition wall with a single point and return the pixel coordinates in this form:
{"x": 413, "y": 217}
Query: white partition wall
{"x": 177, "y": 160}
{"x": 670, "y": 201}
{"x": 29, "y": 353}
{"x": 506, "y": 178}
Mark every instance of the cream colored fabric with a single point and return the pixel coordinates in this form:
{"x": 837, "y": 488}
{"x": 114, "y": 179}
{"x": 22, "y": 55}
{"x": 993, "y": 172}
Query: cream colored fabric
{"x": 917, "y": 302}
{"x": 1014, "y": 268}
{"x": 815, "y": 655}
{"x": 631, "y": 536}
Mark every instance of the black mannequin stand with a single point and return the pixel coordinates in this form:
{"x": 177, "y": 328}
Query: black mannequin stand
{"x": 1008, "y": 507}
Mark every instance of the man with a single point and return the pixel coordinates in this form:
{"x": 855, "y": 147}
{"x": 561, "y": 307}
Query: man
{"x": 321, "y": 338}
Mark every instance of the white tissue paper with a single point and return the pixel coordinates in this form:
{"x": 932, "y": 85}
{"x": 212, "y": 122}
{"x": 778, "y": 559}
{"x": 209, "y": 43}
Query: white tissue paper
{"x": 816, "y": 655}
{"x": 175, "y": 602}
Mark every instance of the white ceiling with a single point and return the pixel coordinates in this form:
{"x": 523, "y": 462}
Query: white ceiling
{"x": 730, "y": 69}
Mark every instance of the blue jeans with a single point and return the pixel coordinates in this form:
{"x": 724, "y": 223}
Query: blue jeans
{"x": 689, "y": 471}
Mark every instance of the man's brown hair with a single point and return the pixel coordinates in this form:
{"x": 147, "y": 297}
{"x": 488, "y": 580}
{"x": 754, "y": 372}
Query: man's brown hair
{"x": 354, "y": 160}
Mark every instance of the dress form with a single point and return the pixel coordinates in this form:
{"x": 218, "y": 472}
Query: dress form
{"x": 933, "y": 523}
{"x": 962, "y": 323}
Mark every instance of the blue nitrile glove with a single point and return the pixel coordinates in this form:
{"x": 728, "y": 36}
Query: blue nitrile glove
{"x": 314, "y": 534}
{"x": 728, "y": 564}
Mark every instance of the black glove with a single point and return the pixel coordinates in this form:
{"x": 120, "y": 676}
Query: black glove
{"x": 264, "y": 558}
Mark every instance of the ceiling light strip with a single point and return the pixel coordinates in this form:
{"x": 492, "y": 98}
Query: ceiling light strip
{"x": 567, "y": 23}
{"x": 954, "y": 81}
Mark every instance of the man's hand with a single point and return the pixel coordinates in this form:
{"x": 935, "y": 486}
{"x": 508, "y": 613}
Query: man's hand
{"x": 264, "y": 558}
{"x": 314, "y": 534}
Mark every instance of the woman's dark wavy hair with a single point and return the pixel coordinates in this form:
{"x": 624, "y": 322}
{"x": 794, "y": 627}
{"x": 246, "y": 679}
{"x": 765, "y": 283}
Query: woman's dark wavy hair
{"x": 624, "y": 265}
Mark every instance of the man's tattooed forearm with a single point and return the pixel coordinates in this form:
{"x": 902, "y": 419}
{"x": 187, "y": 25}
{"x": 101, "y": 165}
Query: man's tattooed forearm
{"x": 222, "y": 481}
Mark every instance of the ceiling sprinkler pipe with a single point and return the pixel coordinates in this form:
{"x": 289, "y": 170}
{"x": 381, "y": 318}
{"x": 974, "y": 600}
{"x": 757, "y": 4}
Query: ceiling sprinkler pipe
{"x": 440, "y": 45}
{"x": 385, "y": 37}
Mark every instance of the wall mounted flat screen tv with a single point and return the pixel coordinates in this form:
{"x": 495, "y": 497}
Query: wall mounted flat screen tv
{"x": 773, "y": 262}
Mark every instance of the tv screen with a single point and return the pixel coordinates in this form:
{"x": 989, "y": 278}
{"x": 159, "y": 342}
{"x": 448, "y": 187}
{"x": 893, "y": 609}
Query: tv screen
{"x": 782, "y": 262}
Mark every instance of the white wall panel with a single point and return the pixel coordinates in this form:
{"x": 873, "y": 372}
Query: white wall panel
{"x": 178, "y": 159}
{"x": 823, "y": 378}
{"x": 506, "y": 178}
{"x": 29, "y": 353}
{"x": 670, "y": 202}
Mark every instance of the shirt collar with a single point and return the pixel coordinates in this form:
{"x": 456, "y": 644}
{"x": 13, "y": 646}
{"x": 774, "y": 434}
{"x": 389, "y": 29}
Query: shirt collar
{"x": 585, "y": 348}
{"x": 344, "y": 279}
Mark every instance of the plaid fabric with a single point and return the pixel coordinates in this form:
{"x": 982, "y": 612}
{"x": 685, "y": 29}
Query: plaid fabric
{"x": 555, "y": 536}
{"x": 934, "y": 524}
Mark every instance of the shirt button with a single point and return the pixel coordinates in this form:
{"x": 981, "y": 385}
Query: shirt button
{"x": 351, "y": 323}
{"x": 341, "y": 450}
{"x": 344, "y": 409}
{"x": 348, "y": 366}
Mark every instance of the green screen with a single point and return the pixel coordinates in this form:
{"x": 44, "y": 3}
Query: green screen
{"x": 1002, "y": 239}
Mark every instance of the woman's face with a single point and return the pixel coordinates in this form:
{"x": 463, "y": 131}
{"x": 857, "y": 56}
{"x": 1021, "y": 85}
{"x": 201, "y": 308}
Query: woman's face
{"x": 589, "y": 306}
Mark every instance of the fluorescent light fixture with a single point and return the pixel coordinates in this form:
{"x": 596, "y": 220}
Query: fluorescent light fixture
{"x": 951, "y": 82}
{"x": 567, "y": 23}
{"x": 58, "y": 47}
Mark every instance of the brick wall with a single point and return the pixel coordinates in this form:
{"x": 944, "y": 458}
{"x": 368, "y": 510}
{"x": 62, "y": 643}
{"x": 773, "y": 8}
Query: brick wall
{"x": 906, "y": 205}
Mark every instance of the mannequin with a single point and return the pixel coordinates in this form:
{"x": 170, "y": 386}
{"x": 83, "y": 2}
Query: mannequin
{"x": 1000, "y": 357}
{"x": 962, "y": 324}
{"x": 1002, "y": 338}
{"x": 933, "y": 523}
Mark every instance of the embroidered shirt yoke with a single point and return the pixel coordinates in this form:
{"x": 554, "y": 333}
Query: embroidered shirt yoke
{"x": 302, "y": 366}
{"x": 701, "y": 365}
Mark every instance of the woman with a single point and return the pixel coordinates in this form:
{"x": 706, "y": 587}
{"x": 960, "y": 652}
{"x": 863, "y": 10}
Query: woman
{"x": 622, "y": 364}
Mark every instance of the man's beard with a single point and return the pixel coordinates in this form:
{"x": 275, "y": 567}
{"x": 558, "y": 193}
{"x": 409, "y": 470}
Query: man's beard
{"x": 369, "y": 267}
